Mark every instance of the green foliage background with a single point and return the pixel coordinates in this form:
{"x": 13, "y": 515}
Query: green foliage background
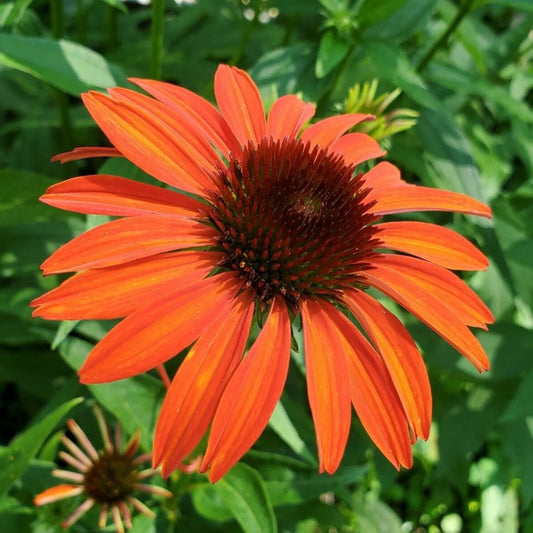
{"x": 466, "y": 68}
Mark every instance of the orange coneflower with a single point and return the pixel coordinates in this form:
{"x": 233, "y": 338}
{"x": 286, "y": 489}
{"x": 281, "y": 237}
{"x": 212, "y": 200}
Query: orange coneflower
{"x": 276, "y": 221}
{"x": 108, "y": 478}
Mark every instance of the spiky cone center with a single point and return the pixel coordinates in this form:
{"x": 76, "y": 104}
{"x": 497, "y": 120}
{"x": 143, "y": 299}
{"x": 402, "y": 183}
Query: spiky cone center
{"x": 111, "y": 479}
{"x": 293, "y": 221}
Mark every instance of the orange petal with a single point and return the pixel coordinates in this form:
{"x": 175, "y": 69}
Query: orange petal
{"x": 59, "y": 492}
{"x": 434, "y": 312}
{"x": 86, "y": 152}
{"x": 127, "y": 239}
{"x": 159, "y": 330}
{"x": 442, "y": 285}
{"x": 147, "y": 142}
{"x": 198, "y": 150}
{"x": 251, "y": 395}
{"x": 287, "y": 116}
{"x": 383, "y": 175}
{"x": 401, "y": 356}
{"x": 434, "y": 243}
{"x": 102, "y": 194}
{"x": 196, "y": 111}
{"x": 327, "y": 384}
{"x": 327, "y": 130}
{"x": 240, "y": 103}
{"x": 117, "y": 291}
{"x": 196, "y": 389}
{"x": 372, "y": 391}
{"x": 406, "y": 198}
{"x": 356, "y": 148}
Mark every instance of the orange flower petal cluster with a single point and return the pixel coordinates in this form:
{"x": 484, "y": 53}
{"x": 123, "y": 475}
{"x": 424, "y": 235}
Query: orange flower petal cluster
{"x": 267, "y": 216}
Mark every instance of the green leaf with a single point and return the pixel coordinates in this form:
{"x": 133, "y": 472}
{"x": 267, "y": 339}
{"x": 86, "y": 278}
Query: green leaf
{"x": 243, "y": 491}
{"x": 447, "y": 154}
{"x": 12, "y": 12}
{"x": 374, "y": 516}
{"x": 298, "y": 490}
{"x": 521, "y": 405}
{"x": 331, "y": 52}
{"x": 16, "y": 458}
{"x": 282, "y": 425}
{"x": 391, "y": 64}
{"x": 525, "y": 5}
{"x": 371, "y": 12}
{"x": 240, "y": 494}
{"x": 403, "y": 22}
{"x": 68, "y": 66}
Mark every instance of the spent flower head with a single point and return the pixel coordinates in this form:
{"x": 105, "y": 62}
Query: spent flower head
{"x": 109, "y": 477}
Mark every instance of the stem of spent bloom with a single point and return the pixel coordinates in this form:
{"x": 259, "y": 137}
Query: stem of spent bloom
{"x": 443, "y": 39}
{"x": 156, "y": 55}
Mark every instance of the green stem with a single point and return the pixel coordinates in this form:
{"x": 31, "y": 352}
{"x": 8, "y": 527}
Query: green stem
{"x": 61, "y": 100}
{"x": 56, "y": 14}
{"x": 156, "y": 56}
{"x": 112, "y": 24}
{"x": 443, "y": 39}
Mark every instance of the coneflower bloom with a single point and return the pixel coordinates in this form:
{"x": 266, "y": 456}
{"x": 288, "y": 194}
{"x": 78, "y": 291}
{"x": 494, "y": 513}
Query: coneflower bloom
{"x": 262, "y": 216}
{"x": 108, "y": 478}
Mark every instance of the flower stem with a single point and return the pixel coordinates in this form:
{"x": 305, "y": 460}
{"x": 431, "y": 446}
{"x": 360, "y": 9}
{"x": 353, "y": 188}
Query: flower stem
{"x": 158, "y": 12}
{"x": 443, "y": 39}
{"x": 61, "y": 100}
{"x": 56, "y": 15}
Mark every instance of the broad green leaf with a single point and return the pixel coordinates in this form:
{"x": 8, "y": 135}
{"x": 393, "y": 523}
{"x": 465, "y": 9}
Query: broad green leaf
{"x": 447, "y": 155}
{"x": 406, "y": 19}
{"x": 371, "y": 12}
{"x": 374, "y": 516}
{"x": 243, "y": 491}
{"x": 135, "y": 402}
{"x": 331, "y": 52}
{"x": 240, "y": 494}
{"x": 525, "y": 5}
{"x": 22, "y": 449}
{"x": 392, "y": 64}
{"x": 117, "y": 4}
{"x": 298, "y": 490}
{"x": 68, "y": 66}
{"x": 521, "y": 405}
{"x": 283, "y": 426}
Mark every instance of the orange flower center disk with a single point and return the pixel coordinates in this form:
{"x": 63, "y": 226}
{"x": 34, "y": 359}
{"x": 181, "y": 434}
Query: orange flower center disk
{"x": 293, "y": 220}
{"x": 111, "y": 478}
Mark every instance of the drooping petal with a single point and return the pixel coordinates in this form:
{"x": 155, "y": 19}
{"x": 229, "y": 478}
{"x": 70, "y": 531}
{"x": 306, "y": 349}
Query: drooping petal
{"x": 442, "y": 285}
{"x": 401, "y": 356}
{"x": 194, "y": 394}
{"x": 287, "y": 116}
{"x": 86, "y": 152}
{"x": 198, "y": 148}
{"x": 117, "y": 291}
{"x": 372, "y": 392}
{"x": 432, "y": 311}
{"x": 240, "y": 103}
{"x": 434, "y": 243}
{"x": 56, "y": 493}
{"x": 251, "y": 395}
{"x": 327, "y": 384}
{"x": 195, "y": 110}
{"x": 127, "y": 239}
{"x": 407, "y": 198}
{"x": 148, "y": 142}
{"x": 103, "y": 194}
{"x": 159, "y": 330}
{"x": 356, "y": 148}
{"x": 327, "y": 130}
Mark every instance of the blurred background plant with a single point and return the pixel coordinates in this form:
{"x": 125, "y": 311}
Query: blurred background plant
{"x": 451, "y": 83}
